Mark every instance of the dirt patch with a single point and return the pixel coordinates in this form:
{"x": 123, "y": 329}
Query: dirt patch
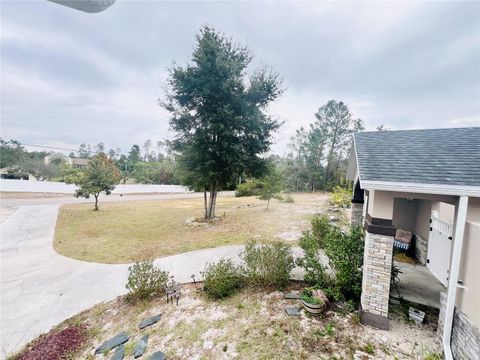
{"x": 251, "y": 325}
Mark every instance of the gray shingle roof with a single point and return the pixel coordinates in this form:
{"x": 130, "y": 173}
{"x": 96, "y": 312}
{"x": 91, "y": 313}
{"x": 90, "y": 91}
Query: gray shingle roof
{"x": 437, "y": 156}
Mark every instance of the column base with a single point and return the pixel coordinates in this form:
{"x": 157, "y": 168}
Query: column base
{"x": 376, "y": 321}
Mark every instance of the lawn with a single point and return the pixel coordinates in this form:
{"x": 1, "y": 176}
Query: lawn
{"x": 123, "y": 232}
{"x": 248, "y": 325}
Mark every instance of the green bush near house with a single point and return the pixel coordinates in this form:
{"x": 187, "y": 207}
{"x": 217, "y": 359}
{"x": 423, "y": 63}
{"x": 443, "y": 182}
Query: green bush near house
{"x": 320, "y": 228}
{"x": 144, "y": 280}
{"x": 267, "y": 265}
{"x": 222, "y": 279}
{"x": 250, "y": 187}
{"x": 345, "y": 253}
{"x": 341, "y": 197}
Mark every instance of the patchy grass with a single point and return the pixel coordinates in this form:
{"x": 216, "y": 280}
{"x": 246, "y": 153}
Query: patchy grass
{"x": 248, "y": 325}
{"x": 124, "y": 232}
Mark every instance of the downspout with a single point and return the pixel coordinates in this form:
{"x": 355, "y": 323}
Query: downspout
{"x": 461, "y": 215}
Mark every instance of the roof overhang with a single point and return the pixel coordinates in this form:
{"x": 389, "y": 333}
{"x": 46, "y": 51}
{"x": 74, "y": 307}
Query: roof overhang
{"x": 438, "y": 189}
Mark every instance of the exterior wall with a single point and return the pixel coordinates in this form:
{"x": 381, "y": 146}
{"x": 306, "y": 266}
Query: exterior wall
{"x": 404, "y": 214}
{"x": 421, "y": 249}
{"x": 446, "y": 212}
{"x": 422, "y": 224}
{"x": 377, "y": 265}
{"x": 380, "y": 204}
{"x": 469, "y": 300}
{"x": 465, "y": 342}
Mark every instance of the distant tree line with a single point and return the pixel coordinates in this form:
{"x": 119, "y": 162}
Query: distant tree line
{"x": 318, "y": 155}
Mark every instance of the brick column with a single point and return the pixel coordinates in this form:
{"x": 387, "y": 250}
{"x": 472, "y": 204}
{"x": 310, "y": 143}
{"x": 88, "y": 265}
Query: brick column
{"x": 377, "y": 266}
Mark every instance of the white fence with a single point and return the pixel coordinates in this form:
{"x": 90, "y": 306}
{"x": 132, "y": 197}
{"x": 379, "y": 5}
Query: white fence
{"x": 59, "y": 187}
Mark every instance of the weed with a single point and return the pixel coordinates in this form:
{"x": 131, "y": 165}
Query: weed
{"x": 369, "y": 348}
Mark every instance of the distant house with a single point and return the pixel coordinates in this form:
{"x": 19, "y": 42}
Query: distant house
{"x": 73, "y": 161}
{"x": 79, "y": 162}
{"x": 426, "y": 182}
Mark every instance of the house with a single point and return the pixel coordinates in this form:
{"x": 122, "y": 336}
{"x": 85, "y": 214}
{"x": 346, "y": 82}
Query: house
{"x": 427, "y": 182}
{"x": 73, "y": 161}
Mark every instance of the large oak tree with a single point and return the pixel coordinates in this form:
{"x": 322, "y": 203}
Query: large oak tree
{"x": 219, "y": 114}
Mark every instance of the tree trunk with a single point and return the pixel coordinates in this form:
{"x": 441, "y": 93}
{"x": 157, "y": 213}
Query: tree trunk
{"x": 96, "y": 202}
{"x": 268, "y": 203}
{"x": 212, "y": 202}
{"x": 205, "y": 202}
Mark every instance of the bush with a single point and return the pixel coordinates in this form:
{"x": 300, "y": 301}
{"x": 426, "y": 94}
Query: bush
{"x": 315, "y": 271}
{"x": 222, "y": 279}
{"x": 267, "y": 265}
{"x": 345, "y": 252}
{"x": 288, "y": 199}
{"x": 144, "y": 280}
{"x": 251, "y": 187}
{"x": 320, "y": 228}
{"x": 341, "y": 197}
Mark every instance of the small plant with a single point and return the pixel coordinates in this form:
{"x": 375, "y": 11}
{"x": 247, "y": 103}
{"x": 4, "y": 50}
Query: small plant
{"x": 432, "y": 356}
{"x": 308, "y": 297}
{"x": 369, "y": 348}
{"x": 315, "y": 271}
{"x": 222, "y": 279}
{"x": 250, "y": 187}
{"x": 144, "y": 280}
{"x": 288, "y": 199}
{"x": 267, "y": 265}
{"x": 341, "y": 197}
{"x": 329, "y": 330}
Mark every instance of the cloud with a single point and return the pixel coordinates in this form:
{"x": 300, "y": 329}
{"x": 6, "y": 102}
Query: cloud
{"x": 70, "y": 77}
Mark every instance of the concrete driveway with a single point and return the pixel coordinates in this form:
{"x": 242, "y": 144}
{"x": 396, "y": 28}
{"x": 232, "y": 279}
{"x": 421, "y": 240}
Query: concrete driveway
{"x": 40, "y": 288}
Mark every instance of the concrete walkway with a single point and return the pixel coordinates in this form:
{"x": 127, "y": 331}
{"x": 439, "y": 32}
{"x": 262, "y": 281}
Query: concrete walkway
{"x": 40, "y": 288}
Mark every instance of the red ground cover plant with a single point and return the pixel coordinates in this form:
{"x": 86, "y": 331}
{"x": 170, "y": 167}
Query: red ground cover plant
{"x": 55, "y": 345}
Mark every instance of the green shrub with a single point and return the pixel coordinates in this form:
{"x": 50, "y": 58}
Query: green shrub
{"x": 144, "y": 280}
{"x": 288, "y": 199}
{"x": 320, "y": 228}
{"x": 250, "y": 187}
{"x": 341, "y": 197}
{"x": 222, "y": 279}
{"x": 267, "y": 265}
{"x": 345, "y": 253}
{"x": 315, "y": 271}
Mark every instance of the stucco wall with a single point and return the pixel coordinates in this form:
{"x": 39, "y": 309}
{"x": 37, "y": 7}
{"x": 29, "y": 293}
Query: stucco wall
{"x": 380, "y": 204}
{"x": 422, "y": 224}
{"x": 405, "y": 214}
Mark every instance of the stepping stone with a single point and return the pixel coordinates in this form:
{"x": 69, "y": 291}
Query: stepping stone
{"x": 112, "y": 343}
{"x": 140, "y": 346}
{"x": 149, "y": 321}
{"x": 158, "y": 356}
{"x": 292, "y": 311}
{"x": 119, "y": 353}
{"x": 292, "y": 296}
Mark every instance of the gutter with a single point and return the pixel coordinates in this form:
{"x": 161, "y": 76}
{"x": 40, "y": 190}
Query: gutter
{"x": 461, "y": 216}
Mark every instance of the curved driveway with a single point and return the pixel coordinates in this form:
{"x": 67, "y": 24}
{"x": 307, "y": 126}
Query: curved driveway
{"x": 40, "y": 288}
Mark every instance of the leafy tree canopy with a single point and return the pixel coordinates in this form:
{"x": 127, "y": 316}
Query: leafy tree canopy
{"x": 219, "y": 114}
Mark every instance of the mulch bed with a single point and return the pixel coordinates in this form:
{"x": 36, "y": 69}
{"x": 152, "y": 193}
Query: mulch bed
{"x": 56, "y": 345}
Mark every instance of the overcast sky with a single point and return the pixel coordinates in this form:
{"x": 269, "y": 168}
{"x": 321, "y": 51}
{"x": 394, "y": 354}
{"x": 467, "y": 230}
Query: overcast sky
{"x": 70, "y": 77}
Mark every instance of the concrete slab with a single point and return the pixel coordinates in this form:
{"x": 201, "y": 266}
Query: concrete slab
{"x": 418, "y": 285}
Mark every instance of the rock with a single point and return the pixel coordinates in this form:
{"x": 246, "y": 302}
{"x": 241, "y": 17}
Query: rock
{"x": 292, "y": 296}
{"x": 140, "y": 346}
{"x": 112, "y": 343}
{"x": 158, "y": 356}
{"x": 292, "y": 311}
{"x": 150, "y": 321}
{"x": 119, "y": 353}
